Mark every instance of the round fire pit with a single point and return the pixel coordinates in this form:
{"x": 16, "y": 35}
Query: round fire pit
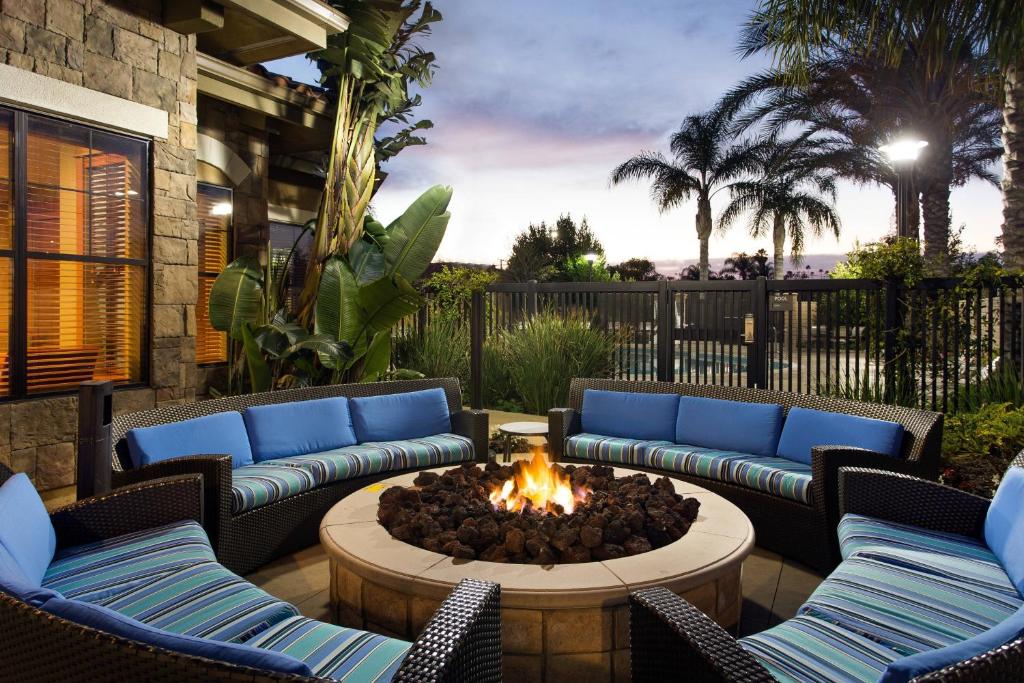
{"x": 563, "y": 622}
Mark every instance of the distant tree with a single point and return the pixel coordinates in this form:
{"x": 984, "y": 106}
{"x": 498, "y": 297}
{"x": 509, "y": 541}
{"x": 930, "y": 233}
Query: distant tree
{"x": 582, "y": 269}
{"x": 532, "y": 256}
{"x": 746, "y": 266}
{"x": 692, "y": 272}
{"x": 637, "y": 270}
{"x": 573, "y": 241}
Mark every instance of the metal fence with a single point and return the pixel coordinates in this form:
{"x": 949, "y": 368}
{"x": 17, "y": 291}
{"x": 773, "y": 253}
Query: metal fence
{"x": 934, "y": 345}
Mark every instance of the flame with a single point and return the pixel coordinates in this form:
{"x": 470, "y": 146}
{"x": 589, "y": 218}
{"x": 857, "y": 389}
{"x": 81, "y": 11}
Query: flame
{"x": 537, "y": 485}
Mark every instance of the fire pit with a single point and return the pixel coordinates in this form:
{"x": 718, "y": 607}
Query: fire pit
{"x": 564, "y": 621}
{"x": 536, "y": 512}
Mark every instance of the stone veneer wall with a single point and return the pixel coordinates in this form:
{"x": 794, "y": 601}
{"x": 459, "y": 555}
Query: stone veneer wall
{"x": 117, "y": 47}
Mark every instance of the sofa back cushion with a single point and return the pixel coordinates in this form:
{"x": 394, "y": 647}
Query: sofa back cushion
{"x": 630, "y": 415}
{"x": 13, "y": 582}
{"x": 217, "y": 434}
{"x": 26, "y": 532}
{"x": 910, "y": 667}
{"x": 729, "y": 425}
{"x": 1004, "y": 525}
{"x": 805, "y": 428}
{"x": 394, "y": 417}
{"x": 284, "y": 429}
{"x": 116, "y": 624}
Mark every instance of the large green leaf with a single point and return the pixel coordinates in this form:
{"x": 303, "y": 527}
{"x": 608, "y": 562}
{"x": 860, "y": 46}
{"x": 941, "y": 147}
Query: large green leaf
{"x": 415, "y": 236}
{"x": 377, "y": 360}
{"x": 237, "y": 296}
{"x": 386, "y": 301}
{"x": 259, "y": 371}
{"x": 337, "y": 308}
{"x": 367, "y": 262}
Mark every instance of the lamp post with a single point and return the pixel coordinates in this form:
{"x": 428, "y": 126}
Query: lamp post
{"x": 902, "y": 154}
{"x": 590, "y": 257}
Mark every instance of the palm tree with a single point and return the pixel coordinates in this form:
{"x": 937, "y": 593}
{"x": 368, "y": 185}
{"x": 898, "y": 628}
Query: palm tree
{"x": 797, "y": 31}
{"x": 744, "y": 266}
{"x": 705, "y": 160}
{"x": 786, "y": 196}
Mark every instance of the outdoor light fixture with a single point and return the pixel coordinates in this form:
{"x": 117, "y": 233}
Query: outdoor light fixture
{"x": 221, "y": 209}
{"x": 902, "y": 153}
{"x": 591, "y": 257}
{"x": 906, "y": 149}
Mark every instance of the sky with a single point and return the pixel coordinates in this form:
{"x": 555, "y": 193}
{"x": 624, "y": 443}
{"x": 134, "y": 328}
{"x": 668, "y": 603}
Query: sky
{"x": 535, "y": 102}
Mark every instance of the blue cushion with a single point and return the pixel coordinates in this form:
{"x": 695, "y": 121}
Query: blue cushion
{"x": 25, "y": 528}
{"x": 907, "y": 668}
{"x": 629, "y": 415}
{"x": 114, "y": 623}
{"x": 14, "y": 583}
{"x": 729, "y": 425}
{"x": 286, "y": 429}
{"x": 396, "y": 417}
{"x": 217, "y": 434}
{"x": 1004, "y": 525}
{"x": 805, "y": 429}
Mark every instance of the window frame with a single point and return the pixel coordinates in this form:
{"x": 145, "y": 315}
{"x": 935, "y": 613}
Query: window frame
{"x": 270, "y": 240}
{"x": 20, "y": 256}
{"x": 205, "y": 273}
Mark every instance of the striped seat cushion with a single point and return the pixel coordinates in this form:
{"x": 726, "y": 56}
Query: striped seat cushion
{"x": 777, "y": 476}
{"x": 254, "y": 486}
{"x": 858, "y": 533}
{"x": 806, "y": 648}
{"x": 610, "y": 449}
{"x": 340, "y": 463}
{"x": 95, "y": 571}
{"x": 440, "y": 449}
{"x": 206, "y": 601}
{"x": 335, "y": 652}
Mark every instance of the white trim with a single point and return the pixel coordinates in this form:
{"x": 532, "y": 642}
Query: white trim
{"x": 67, "y": 100}
{"x": 289, "y": 214}
{"x": 215, "y": 153}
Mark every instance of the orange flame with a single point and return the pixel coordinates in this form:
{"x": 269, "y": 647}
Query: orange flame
{"x": 538, "y": 485}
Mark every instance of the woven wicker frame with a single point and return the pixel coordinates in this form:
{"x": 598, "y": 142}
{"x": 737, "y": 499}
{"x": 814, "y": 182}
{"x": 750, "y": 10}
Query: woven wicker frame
{"x": 247, "y": 541}
{"x": 460, "y": 644}
{"x": 801, "y": 532}
{"x": 669, "y": 635}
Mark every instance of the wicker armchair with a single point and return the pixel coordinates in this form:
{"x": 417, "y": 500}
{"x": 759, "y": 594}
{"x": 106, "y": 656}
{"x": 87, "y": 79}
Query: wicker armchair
{"x": 246, "y": 541}
{"x": 669, "y": 635}
{"x": 460, "y": 644}
{"x": 791, "y": 528}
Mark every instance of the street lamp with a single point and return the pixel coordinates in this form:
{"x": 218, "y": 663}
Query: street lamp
{"x": 590, "y": 257}
{"x": 903, "y": 153}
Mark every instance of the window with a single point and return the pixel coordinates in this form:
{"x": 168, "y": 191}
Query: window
{"x": 215, "y": 209}
{"x": 73, "y": 255}
{"x": 283, "y": 238}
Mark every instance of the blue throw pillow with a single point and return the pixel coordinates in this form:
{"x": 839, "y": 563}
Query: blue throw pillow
{"x": 116, "y": 624}
{"x": 805, "y": 429}
{"x": 629, "y": 415}
{"x": 25, "y": 528}
{"x": 912, "y": 666}
{"x": 284, "y": 429}
{"x": 729, "y": 425}
{"x": 14, "y": 582}
{"x": 217, "y": 434}
{"x": 394, "y": 417}
{"x": 1004, "y": 525}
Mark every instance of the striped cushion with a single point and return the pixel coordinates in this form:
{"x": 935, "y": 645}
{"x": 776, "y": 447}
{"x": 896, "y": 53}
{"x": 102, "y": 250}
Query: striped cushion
{"x": 440, "y": 449}
{"x": 610, "y": 449}
{"x": 341, "y": 463}
{"x": 806, "y": 648}
{"x": 254, "y": 486}
{"x": 95, "y": 571}
{"x": 334, "y": 651}
{"x": 206, "y": 601}
{"x": 777, "y": 476}
{"x": 857, "y": 533}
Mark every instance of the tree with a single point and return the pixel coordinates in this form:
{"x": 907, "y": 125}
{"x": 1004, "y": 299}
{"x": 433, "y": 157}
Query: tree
{"x": 744, "y": 266}
{"x": 637, "y": 270}
{"x": 532, "y": 255}
{"x": 786, "y": 196}
{"x": 705, "y": 160}
{"x": 920, "y": 32}
{"x": 573, "y": 241}
{"x": 583, "y": 269}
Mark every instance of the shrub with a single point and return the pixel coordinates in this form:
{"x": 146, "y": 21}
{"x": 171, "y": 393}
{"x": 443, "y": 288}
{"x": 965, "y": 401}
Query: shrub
{"x": 498, "y": 390}
{"x": 978, "y": 446}
{"x": 440, "y": 350}
{"x": 453, "y": 286}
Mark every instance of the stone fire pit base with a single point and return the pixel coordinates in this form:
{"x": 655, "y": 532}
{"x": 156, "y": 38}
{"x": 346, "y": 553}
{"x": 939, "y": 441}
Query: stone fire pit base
{"x": 559, "y": 623}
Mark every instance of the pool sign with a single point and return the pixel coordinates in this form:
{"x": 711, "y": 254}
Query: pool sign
{"x": 780, "y": 301}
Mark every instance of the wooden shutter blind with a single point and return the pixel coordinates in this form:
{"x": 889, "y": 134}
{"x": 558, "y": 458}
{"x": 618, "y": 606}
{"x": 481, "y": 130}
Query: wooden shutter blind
{"x": 6, "y": 246}
{"x": 214, "y": 208}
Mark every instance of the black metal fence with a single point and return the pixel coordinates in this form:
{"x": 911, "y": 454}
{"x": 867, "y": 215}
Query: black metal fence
{"x": 933, "y": 345}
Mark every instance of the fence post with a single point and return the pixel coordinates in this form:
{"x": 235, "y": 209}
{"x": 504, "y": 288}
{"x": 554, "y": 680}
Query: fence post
{"x": 892, "y": 324}
{"x": 531, "y": 299}
{"x": 476, "y": 351}
{"x": 759, "y": 300}
{"x": 664, "y": 332}
{"x": 95, "y": 412}
{"x": 421, "y": 317}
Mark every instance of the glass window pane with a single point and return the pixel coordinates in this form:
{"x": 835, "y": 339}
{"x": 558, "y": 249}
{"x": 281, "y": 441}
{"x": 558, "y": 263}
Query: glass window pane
{"x": 6, "y": 163}
{"x": 117, "y": 227}
{"x": 215, "y": 208}
{"x": 56, "y": 220}
{"x": 118, "y": 165}
{"x": 211, "y": 345}
{"x": 283, "y": 237}
{"x": 58, "y": 153}
{"x": 6, "y": 307}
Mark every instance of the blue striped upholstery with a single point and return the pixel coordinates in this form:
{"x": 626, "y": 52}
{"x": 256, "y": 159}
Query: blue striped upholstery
{"x": 254, "y": 486}
{"x": 327, "y": 467}
{"x": 440, "y": 449}
{"x": 95, "y": 571}
{"x": 610, "y": 449}
{"x": 335, "y": 652}
{"x": 857, "y": 533}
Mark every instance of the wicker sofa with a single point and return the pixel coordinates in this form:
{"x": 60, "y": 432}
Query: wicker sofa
{"x": 929, "y": 589}
{"x": 794, "y": 512}
{"x": 259, "y": 512}
{"x": 132, "y": 592}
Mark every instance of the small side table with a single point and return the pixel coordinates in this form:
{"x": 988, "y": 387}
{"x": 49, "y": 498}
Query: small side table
{"x": 512, "y": 429}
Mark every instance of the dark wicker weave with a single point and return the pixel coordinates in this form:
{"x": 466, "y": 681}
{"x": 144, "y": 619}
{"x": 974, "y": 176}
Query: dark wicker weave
{"x": 802, "y": 532}
{"x": 668, "y": 634}
{"x": 460, "y": 644}
{"x": 246, "y": 541}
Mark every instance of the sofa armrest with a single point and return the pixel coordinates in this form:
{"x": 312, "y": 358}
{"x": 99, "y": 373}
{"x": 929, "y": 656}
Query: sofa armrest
{"x": 132, "y": 508}
{"x": 1000, "y": 664}
{"x": 474, "y": 425}
{"x": 216, "y": 472}
{"x": 908, "y": 500}
{"x": 669, "y": 636}
{"x": 462, "y": 641}
{"x": 562, "y": 423}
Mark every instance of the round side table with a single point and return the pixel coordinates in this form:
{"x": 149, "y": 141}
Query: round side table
{"x": 512, "y": 429}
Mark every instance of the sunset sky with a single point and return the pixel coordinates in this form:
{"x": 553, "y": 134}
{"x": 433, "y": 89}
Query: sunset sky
{"x": 536, "y": 101}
